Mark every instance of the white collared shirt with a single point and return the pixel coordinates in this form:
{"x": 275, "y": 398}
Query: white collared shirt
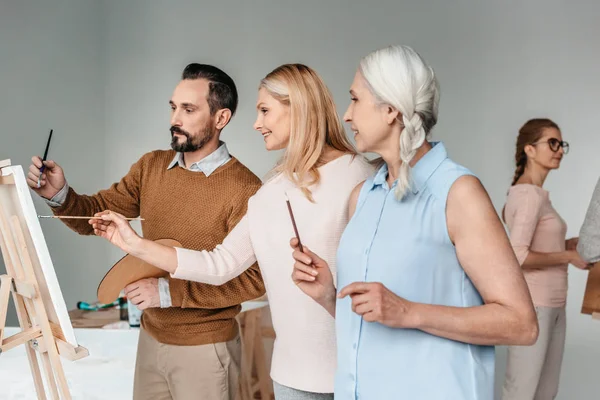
{"x": 208, "y": 164}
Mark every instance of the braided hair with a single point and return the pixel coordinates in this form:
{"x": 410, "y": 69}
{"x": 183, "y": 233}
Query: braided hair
{"x": 399, "y": 77}
{"x": 529, "y": 133}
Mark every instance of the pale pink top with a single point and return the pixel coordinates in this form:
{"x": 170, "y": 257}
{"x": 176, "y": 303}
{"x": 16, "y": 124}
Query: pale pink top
{"x": 535, "y": 225}
{"x": 304, "y": 353}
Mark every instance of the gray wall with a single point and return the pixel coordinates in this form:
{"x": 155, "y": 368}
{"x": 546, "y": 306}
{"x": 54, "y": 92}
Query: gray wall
{"x": 499, "y": 63}
{"x": 52, "y": 74}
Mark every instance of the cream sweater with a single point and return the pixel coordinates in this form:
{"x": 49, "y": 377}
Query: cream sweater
{"x": 304, "y": 354}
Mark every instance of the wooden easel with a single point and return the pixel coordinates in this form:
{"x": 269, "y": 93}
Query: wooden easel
{"x": 255, "y": 381}
{"x": 38, "y": 333}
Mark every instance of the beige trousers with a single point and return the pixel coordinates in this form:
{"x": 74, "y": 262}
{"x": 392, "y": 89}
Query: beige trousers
{"x": 169, "y": 372}
{"x": 533, "y": 372}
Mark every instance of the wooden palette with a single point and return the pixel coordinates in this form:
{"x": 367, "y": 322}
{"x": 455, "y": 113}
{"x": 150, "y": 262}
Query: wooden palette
{"x": 591, "y": 298}
{"x": 127, "y": 270}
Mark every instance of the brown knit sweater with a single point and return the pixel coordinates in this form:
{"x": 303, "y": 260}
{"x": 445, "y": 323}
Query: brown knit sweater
{"x": 197, "y": 211}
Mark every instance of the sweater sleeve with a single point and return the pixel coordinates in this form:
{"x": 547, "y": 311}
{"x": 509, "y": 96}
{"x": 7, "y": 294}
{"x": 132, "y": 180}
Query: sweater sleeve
{"x": 244, "y": 281}
{"x": 122, "y": 197}
{"x": 524, "y": 207}
{"x": 589, "y": 235}
{"x": 225, "y": 262}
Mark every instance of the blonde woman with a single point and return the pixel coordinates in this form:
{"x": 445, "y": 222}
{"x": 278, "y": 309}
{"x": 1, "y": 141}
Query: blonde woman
{"x": 317, "y": 174}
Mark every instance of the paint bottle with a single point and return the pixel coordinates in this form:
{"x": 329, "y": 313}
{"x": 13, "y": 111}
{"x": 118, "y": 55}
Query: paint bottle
{"x": 123, "y": 313}
{"x": 135, "y": 314}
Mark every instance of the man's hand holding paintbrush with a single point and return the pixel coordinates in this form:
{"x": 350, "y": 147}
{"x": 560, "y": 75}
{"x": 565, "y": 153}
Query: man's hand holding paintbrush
{"x": 51, "y": 180}
{"x": 45, "y": 177}
{"x": 115, "y": 228}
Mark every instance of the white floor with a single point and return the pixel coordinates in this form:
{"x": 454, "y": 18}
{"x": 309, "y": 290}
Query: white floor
{"x": 107, "y": 373}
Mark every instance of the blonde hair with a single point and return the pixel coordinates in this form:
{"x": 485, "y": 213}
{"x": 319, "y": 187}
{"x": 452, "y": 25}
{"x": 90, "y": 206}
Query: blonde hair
{"x": 399, "y": 77}
{"x": 314, "y": 123}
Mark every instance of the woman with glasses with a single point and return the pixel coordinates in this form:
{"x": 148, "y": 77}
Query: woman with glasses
{"x": 537, "y": 234}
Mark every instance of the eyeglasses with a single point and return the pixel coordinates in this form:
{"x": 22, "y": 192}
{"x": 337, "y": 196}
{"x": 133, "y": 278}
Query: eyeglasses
{"x": 555, "y": 145}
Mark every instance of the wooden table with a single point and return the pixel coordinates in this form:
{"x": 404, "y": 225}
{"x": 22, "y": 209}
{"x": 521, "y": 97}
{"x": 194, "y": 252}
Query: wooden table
{"x": 93, "y": 319}
{"x": 255, "y": 380}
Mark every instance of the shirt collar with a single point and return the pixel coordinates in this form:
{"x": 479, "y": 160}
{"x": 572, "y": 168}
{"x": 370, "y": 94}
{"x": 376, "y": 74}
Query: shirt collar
{"x": 208, "y": 164}
{"x": 421, "y": 171}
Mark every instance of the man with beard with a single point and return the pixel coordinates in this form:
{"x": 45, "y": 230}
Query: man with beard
{"x": 196, "y": 193}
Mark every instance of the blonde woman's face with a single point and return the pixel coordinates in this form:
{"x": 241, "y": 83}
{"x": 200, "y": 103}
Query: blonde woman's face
{"x": 272, "y": 121}
{"x": 367, "y": 119}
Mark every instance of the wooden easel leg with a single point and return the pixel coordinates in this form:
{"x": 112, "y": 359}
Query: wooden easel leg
{"x": 5, "y": 282}
{"x": 33, "y": 361}
{"x": 36, "y": 373}
{"x": 24, "y": 323}
{"x": 58, "y": 376}
{"x": 262, "y": 372}
{"x": 50, "y": 376}
{"x": 34, "y": 365}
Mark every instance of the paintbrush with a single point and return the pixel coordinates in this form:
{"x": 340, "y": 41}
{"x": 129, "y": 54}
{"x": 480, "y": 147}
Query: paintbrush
{"x": 289, "y": 206}
{"x": 73, "y": 217}
{"x": 43, "y": 167}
